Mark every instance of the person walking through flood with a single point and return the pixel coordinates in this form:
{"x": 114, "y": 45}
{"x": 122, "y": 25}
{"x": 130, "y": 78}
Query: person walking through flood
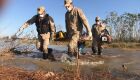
{"x": 75, "y": 19}
{"x": 97, "y": 30}
{"x": 45, "y": 27}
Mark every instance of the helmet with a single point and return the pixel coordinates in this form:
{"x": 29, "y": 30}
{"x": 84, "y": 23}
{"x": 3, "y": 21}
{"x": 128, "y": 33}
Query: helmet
{"x": 67, "y": 2}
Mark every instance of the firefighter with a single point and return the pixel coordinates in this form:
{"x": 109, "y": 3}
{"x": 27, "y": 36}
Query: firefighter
{"x": 75, "y": 19}
{"x": 97, "y": 30}
{"x": 45, "y": 27}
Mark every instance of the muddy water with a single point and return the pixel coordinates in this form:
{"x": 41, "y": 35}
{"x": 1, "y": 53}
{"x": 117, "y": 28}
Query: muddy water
{"x": 129, "y": 59}
{"x": 117, "y": 61}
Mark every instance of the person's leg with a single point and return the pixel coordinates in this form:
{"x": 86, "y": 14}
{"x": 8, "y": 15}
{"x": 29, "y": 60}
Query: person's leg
{"x": 99, "y": 48}
{"x": 50, "y": 55}
{"x": 45, "y": 49}
{"x": 94, "y": 45}
{"x": 45, "y": 44}
{"x": 72, "y": 46}
{"x": 47, "y": 52}
{"x": 82, "y": 51}
{"x": 39, "y": 43}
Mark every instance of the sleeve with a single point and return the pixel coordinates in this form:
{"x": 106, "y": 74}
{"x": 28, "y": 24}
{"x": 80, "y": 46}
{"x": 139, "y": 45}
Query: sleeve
{"x": 67, "y": 27}
{"x": 32, "y": 20}
{"x": 26, "y": 24}
{"x": 93, "y": 30}
{"x": 107, "y": 32}
{"x": 52, "y": 25}
{"x": 84, "y": 20}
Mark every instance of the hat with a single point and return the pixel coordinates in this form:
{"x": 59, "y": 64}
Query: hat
{"x": 41, "y": 9}
{"x": 67, "y": 2}
{"x": 97, "y": 18}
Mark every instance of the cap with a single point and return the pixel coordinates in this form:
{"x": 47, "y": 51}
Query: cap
{"x": 97, "y": 18}
{"x": 67, "y": 2}
{"x": 41, "y": 9}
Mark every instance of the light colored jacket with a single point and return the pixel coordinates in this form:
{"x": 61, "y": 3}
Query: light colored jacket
{"x": 75, "y": 20}
{"x": 97, "y": 30}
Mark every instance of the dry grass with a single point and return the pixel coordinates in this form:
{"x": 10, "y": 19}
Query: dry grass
{"x": 133, "y": 45}
{"x": 124, "y": 45}
{"x": 12, "y": 73}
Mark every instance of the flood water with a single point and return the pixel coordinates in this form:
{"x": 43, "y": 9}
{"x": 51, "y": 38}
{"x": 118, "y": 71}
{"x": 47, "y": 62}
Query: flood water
{"x": 115, "y": 60}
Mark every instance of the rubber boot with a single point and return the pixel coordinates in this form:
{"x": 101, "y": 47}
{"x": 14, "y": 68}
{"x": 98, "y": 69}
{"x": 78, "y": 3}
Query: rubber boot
{"x": 50, "y": 55}
{"x": 94, "y": 51}
{"x": 45, "y": 55}
{"x": 99, "y": 51}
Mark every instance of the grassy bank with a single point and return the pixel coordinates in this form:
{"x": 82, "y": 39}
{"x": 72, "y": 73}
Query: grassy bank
{"x": 125, "y": 45}
{"x": 129, "y": 45}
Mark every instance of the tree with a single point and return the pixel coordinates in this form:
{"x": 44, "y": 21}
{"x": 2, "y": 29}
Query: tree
{"x": 124, "y": 27}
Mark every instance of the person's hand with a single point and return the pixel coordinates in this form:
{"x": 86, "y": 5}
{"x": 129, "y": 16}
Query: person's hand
{"x": 90, "y": 35}
{"x": 25, "y": 25}
{"x": 22, "y": 27}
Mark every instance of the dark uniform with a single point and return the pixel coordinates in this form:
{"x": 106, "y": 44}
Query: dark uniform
{"x": 45, "y": 28}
